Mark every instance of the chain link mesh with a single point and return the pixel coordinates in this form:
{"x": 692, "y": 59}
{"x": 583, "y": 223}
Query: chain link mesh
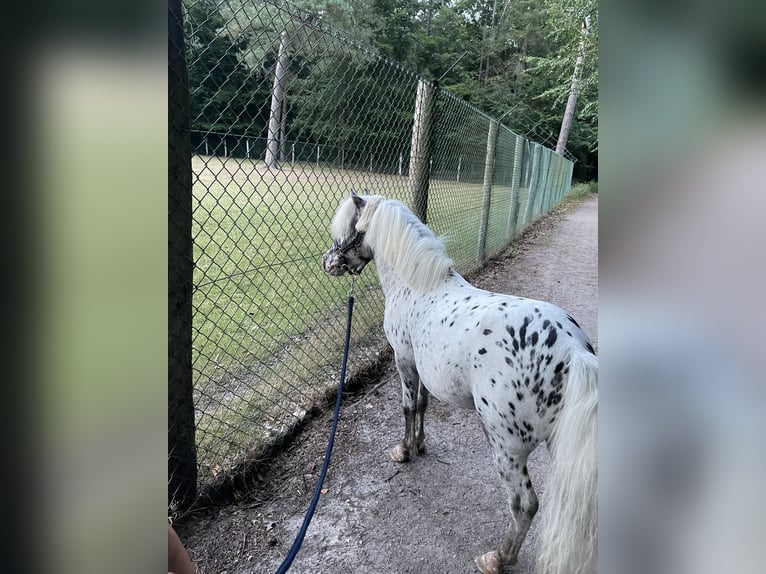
{"x": 287, "y": 117}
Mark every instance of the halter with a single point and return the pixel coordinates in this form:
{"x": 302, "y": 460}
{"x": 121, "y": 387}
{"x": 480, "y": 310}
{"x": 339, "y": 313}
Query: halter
{"x": 353, "y": 242}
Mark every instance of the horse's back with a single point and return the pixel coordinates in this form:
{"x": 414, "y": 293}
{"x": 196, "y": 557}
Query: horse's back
{"x": 505, "y": 356}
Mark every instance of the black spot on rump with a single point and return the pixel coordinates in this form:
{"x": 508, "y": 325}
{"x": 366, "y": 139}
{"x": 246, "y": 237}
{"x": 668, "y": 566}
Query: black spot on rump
{"x": 528, "y": 426}
{"x": 558, "y": 368}
{"x": 552, "y": 336}
{"x": 533, "y": 338}
{"x": 590, "y": 348}
{"x": 508, "y": 360}
{"x": 519, "y": 395}
{"x": 553, "y": 399}
{"x": 484, "y": 401}
{"x": 487, "y": 331}
{"x": 482, "y": 351}
{"x": 511, "y": 330}
{"x": 546, "y": 324}
{"x": 523, "y": 331}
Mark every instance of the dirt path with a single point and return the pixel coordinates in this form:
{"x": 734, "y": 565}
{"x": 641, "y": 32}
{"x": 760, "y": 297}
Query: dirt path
{"x": 435, "y": 513}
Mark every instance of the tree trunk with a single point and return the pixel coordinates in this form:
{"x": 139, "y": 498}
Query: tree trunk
{"x": 277, "y": 94}
{"x": 489, "y": 173}
{"x": 421, "y": 147}
{"x": 566, "y": 122}
{"x": 283, "y": 131}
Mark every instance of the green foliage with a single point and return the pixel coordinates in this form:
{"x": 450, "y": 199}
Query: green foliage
{"x": 225, "y": 92}
{"x": 513, "y": 59}
{"x": 582, "y": 190}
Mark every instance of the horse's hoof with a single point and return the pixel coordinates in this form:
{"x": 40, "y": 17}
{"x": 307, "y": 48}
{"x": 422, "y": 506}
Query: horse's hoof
{"x": 399, "y": 453}
{"x": 489, "y": 563}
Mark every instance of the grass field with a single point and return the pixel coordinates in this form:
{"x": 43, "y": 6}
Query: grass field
{"x": 268, "y": 323}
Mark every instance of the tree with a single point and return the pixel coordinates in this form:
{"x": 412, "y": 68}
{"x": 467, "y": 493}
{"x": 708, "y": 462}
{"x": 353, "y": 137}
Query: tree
{"x": 226, "y": 93}
{"x": 566, "y": 122}
{"x": 573, "y": 53}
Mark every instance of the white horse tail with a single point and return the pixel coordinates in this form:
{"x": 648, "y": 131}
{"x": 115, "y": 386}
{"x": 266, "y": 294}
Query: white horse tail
{"x": 569, "y": 535}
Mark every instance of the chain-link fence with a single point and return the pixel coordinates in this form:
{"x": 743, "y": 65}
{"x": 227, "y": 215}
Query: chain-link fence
{"x": 287, "y": 117}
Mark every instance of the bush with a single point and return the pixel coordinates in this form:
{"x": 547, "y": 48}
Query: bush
{"x": 583, "y": 189}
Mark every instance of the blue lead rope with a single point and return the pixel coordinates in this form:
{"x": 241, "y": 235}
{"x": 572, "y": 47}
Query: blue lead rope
{"x": 287, "y": 562}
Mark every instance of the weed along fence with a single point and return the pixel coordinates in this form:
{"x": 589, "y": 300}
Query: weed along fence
{"x": 274, "y": 117}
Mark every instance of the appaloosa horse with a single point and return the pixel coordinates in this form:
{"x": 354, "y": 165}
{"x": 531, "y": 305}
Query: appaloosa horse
{"x": 524, "y": 365}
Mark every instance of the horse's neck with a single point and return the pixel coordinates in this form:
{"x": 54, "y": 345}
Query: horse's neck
{"x": 393, "y": 285}
{"x": 390, "y": 281}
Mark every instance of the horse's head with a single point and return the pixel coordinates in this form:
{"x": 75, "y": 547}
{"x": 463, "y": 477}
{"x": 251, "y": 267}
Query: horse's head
{"x": 349, "y": 252}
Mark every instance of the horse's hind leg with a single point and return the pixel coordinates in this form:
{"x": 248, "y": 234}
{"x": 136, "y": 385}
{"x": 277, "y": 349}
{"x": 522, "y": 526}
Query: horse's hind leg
{"x": 422, "y": 405}
{"x": 410, "y": 383}
{"x": 524, "y": 504}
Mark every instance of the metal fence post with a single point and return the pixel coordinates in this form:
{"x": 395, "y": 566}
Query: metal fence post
{"x": 182, "y": 454}
{"x": 422, "y": 147}
{"x": 489, "y": 171}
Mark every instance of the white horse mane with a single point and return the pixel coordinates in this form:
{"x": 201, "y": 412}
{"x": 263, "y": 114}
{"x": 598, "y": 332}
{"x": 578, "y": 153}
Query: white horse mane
{"x": 397, "y": 237}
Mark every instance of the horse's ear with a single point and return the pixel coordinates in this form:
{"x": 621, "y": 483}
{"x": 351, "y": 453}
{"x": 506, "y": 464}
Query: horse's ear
{"x": 365, "y": 216}
{"x": 358, "y": 200}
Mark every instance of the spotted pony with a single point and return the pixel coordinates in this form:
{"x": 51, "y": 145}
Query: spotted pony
{"x": 525, "y": 366}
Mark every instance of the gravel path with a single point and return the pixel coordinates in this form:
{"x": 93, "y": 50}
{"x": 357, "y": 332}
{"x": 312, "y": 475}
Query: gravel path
{"x": 434, "y": 514}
